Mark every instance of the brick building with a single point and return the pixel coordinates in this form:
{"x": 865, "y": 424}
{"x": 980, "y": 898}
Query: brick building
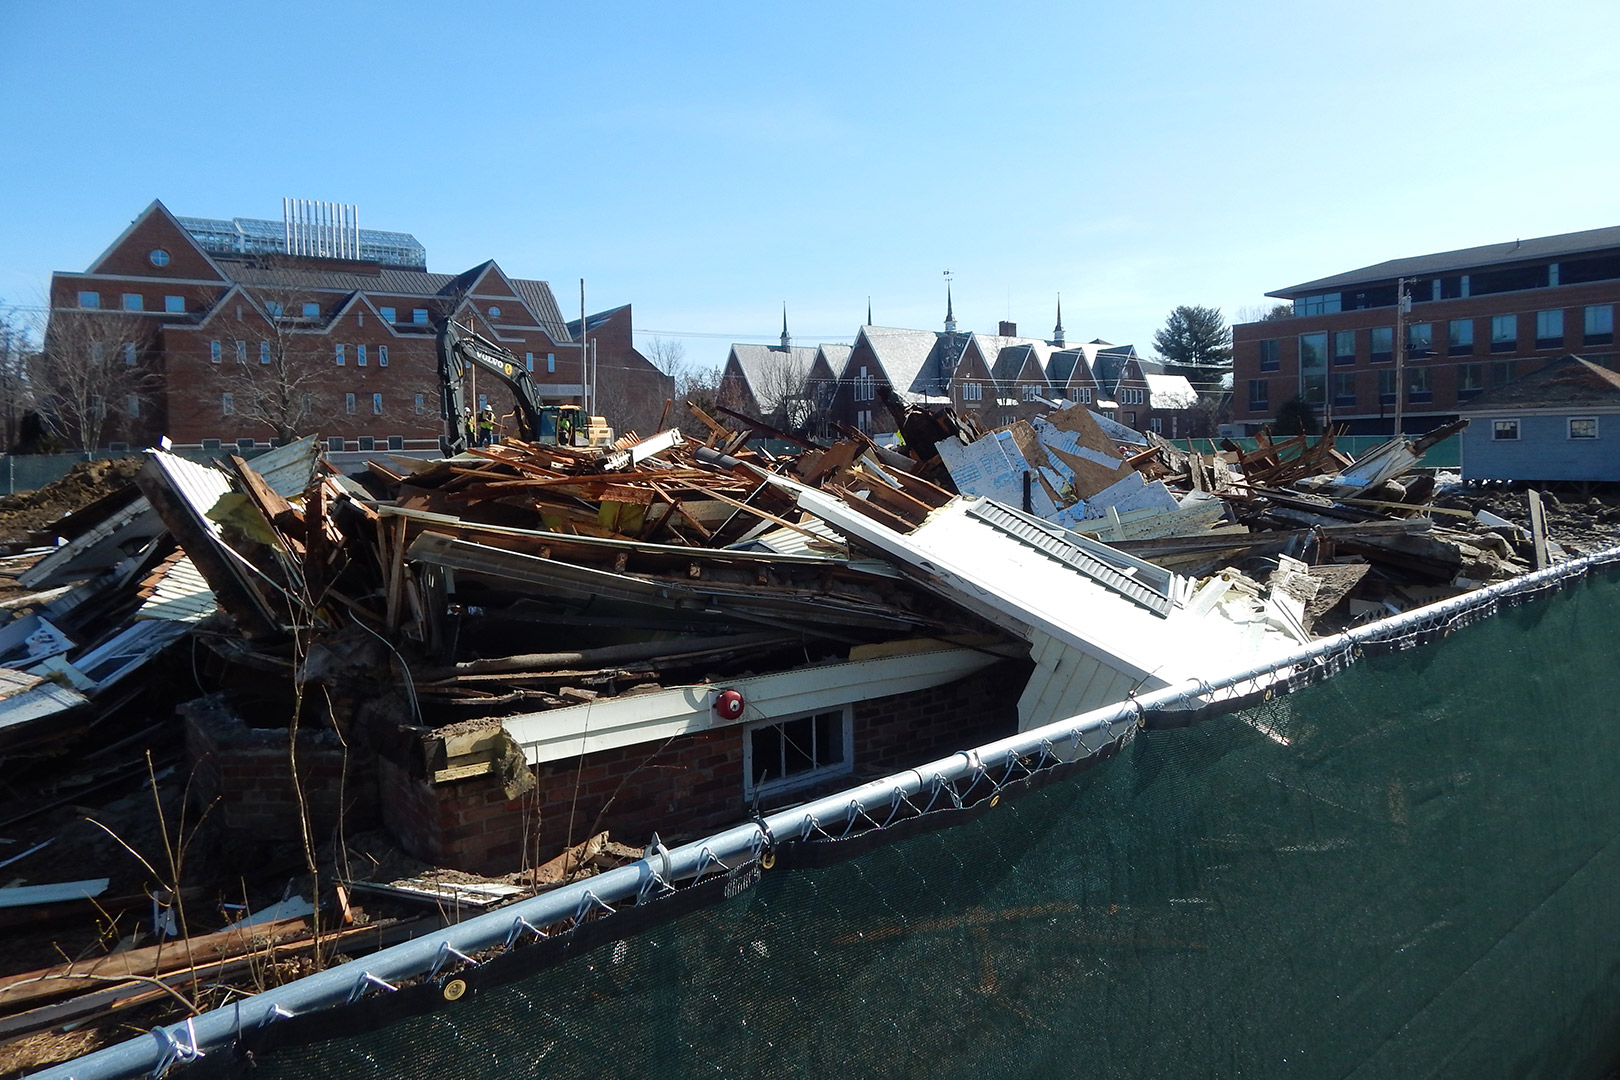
{"x": 248, "y": 331}
{"x": 1479, "y": 318}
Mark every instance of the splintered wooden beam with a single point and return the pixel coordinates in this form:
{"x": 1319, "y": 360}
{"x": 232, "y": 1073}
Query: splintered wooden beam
{"x": 756, "y": 511}
{"x": 716, "y": 428}
{"x": 681, "y": 510}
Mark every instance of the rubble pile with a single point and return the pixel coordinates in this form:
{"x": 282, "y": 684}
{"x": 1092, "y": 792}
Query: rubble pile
{"x": 408, "y": 613}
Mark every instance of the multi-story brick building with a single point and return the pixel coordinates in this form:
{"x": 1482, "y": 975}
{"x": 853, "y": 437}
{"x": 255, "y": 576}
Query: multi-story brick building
{"x": 1478, "y": 318}
{"x": 251, "y": 331}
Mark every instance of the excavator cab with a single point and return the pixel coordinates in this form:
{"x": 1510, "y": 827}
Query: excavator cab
{"x": 560, "y": 425}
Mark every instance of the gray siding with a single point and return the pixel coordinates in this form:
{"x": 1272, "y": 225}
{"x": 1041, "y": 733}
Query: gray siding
{"x": 1544, "y": 450}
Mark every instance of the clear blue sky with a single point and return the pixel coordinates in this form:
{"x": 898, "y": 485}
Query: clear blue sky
{"x": 707, "y": 162}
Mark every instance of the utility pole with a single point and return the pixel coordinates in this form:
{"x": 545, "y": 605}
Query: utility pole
{"x": 584, "y": 354}
{"x": 1403, "y": 307}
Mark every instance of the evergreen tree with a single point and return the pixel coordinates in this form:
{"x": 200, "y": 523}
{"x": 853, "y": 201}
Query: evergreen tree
{"x": 1194, "y": 340}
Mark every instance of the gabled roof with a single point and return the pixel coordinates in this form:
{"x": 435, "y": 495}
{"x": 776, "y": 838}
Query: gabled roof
{"x": 1170, "y": 391}
{"x": 156, "y": 207}
{"x": 1061, "y": 368}
{"x": 836, "y": 355}
{"x": 1015, "y": 360}
{"x": 1541, "y": 247}
{"x": 904, "y": 356}
{"x": 1566, "y": 383}
{"x": 764, "y": 366}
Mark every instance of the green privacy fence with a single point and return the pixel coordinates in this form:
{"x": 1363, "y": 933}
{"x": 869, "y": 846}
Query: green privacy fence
{"x": 1411, "y": 868}
{"x": 30, "y": 472}
{"x": 1443, "y": 455}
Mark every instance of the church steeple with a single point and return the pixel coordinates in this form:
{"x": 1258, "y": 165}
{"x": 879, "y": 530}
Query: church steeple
{"x": 950, "y": 311}
{"x": 1057, "y": 331}
{"x": 868, "y": 311}
{"x": 787, "y": 342}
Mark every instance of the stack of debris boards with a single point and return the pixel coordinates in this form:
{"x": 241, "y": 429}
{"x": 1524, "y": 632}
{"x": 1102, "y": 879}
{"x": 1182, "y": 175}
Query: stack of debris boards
{"x": 1368, "y": 530}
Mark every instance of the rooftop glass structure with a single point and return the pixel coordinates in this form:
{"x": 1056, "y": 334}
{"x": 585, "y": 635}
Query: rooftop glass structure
{"x": 260, "y": 236}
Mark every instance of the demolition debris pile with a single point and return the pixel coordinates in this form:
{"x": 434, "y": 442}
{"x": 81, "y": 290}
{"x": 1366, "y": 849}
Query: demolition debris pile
{"x": 393, "y": 619}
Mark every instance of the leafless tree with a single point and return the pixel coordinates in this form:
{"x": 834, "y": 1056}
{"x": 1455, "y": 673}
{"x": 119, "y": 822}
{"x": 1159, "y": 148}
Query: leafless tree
{"x": 700, "y": 386}
{"x": 1267, "y": 312}
{"x": 783, "y": 398}
{"x": 93, "y": 377}
{"x": 277, "y": 370}
{"x": 624, "y": 397}
{"x": 666, "y": 355}
{"x": 16, "y": 392}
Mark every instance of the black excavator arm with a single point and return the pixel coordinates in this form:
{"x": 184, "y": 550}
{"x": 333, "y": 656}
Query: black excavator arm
{"x": 459, "y": 347}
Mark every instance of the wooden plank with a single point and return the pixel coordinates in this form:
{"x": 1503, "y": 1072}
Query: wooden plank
{"x": 1538, "y": 529}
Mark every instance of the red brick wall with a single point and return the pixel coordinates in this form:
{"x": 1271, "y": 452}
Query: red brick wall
{"x": 683, "y": 789}
{"x": 245, "y": 773}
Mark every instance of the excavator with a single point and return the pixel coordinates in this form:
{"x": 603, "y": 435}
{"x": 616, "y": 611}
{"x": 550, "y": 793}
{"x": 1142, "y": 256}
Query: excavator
{"x": 554, "y": 425}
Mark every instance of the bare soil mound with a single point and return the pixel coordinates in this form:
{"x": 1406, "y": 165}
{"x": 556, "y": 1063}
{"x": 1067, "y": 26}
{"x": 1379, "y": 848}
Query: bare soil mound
{"x": 30, "y": 512}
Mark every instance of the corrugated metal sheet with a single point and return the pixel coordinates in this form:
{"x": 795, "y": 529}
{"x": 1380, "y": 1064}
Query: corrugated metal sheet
{"x": 288, "y": 469}
{"x": 180, "y": 594}
{"x": 199, "y": 485}
{"x": 25, "y": 698}
{"x": 1067, "y": 549}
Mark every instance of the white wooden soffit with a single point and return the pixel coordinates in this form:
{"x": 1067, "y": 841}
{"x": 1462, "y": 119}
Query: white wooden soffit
{"x": 681, "y": 710}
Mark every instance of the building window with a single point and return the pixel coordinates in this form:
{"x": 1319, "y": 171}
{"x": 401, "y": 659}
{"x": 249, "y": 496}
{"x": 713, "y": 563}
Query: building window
{"x": 863, "y": 419}
{"x": 312, "y": 311}
{"x": 335, "y": 442}
{"x": 1386, "y": 388}
{"x": 1381, "y": 340}
{"x": 127, "y": 351}
{"x": 368, "y": 442}
{"x": 210, "y": 444}
{"x": 421, "y": 404}
{"x": 382, "y": 356}
{"x": 1325, "y": 304}
{"x": 175, "y": 305}
{"x": 246, "y": 444}
{"x": 241, "y": 351}
{"x": 1029, "y": 391}
{"x": 1344, "y": 347}
{"x": 494, "y": 312}
{"x": 1598, "y": 325}
{"x": 1270, "y": 355}
{"x": 264, "y": 352}
{"x": 132, "y": 405}
{"x": 551, "y": 362}
{"x": 1259, "y": 394}
{"x": 348, "y": 404}
{"x": 360, "y": 356}
{"x": 1504, "y": 333}
{"x": 1503, "y": 372}
{"x": 864, "y": 384}
{"x": 1470, "y": 380}
{"x": 786, "y": 754}
{"x": 158, "y": 257}
{"x": 1504, "y": 431}
{"x": 1420, "y": 339}
{"x": 1344, "y": 389}
{"x": 419, "y": 316}
{"x": 528, "y": 361}
{"x": 1583, "y": 427}
{"x": 1417, "y": 385}
{"x": 1085, "y": 395}
{"x": 89, "y": 299}
{"x": 273, "y": 308}
{"x": 98, "y": 352}
{"x": 1156, "y": 425}
{"x": 1549, "y": 329}
{"x": 339, "y": 356}
{"x": 1460, "y": 337}
{"x": 396, "y": 442}
{"x": 227, "y": 404}
{"x": 972, "y": 391}
{"x": 387, "y": 314}
{"x": 376, "y": 404}
{"x": 213, "y": 351}
{"x": 133, "y": 301}
{"x": 1313, "y": 367}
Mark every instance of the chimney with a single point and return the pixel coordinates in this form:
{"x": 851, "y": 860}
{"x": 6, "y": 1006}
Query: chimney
{"x": 1008, "y": 329}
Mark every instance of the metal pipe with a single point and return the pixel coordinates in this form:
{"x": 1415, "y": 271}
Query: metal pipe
{"x": 413, "y": 958}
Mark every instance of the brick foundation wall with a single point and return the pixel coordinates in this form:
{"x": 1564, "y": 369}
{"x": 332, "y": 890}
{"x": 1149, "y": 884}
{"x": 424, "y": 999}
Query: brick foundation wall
{"x": 245, "y": 773}
{"x": 682, "y": 788}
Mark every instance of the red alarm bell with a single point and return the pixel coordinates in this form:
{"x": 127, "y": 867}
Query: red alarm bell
{"x": 728, "y": 705}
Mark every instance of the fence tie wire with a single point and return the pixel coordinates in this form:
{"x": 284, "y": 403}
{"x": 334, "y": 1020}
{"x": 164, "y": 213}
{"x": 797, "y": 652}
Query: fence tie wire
{"x": 440, "y": 958}
{"x": 706, "y": 859}
{"x": 589, "y": 902}
{"x": 368, "y": 979}
{"x": 519, "y": 925}
{"x": 175, "y": 1051}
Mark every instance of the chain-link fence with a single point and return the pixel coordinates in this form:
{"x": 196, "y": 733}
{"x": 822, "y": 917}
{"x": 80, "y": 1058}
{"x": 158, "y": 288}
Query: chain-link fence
{"x": 1410, "y": 869}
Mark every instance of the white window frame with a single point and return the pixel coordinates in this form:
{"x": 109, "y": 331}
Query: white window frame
{"x": 227, "y": 403}
{"x": 264, "y": 352}
{"x": 339, "y": 357}
{"x": 213, "y": 351}
{"x": 174, "y": 305}
{"x": 1569, "y": 428}
{"x": 388, "y": 314}
{"x": 816, "y": 773}
{"x": 376, "y": 404}
{"x": 348, "y": 404}
{"x": 1499, "y": 429}
{"x": 382, "y": 356}
{"x": 241, "y": 351}
{"x": 88, "y": 299}
{"x": 359, "y": 356}
{"x": 134, "y": 301}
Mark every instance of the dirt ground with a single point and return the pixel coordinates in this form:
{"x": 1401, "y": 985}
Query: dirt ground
{"x": 27, "y": 513}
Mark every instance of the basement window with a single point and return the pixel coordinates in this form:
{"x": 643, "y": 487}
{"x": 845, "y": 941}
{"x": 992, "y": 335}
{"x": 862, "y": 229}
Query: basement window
{"x": 781, "y": 755}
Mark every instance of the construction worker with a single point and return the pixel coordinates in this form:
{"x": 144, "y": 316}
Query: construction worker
{"x": 486, "y": 426}
{"x": 468, "y": 426}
